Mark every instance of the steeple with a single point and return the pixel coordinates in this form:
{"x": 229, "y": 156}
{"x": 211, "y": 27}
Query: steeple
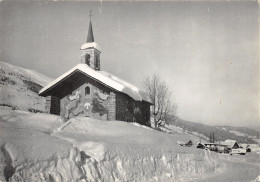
{"x": 90, "y": 37}
{"x": 90, "y": 51}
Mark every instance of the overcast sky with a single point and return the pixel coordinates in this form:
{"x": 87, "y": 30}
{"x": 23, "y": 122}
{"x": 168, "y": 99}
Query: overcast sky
{"x": 207, "y": 52}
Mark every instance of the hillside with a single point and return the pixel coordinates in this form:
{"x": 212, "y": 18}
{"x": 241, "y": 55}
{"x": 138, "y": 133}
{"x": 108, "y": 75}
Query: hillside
{"x": 240, "y": 134}
{"x": 19, "y": 88}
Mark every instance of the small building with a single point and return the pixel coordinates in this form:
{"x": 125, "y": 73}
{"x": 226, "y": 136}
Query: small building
{"x": 246, "y": 146}
{"x": 201, "y": 146}
{"x": 86, "y": 90}
{"x": 217, "y": 147}
{"x": 231, "y": 144}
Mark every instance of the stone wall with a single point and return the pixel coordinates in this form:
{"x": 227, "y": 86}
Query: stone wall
{"x": 112, "y": 107}
{"x": 94, "y": 58}
{"x": 130, "y": 110}
{"x": 52, "y": 105}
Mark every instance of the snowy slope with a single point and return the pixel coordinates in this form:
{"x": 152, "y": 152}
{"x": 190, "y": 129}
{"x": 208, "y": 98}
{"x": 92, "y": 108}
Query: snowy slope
{"x": 251, "y": 134}
{"x": 120, "y": 151}
{"x": 85, "y": 149}
{"x": 221, "y": 133}
{"x": 27, "y": 73}
{"x": 19, "y": 87}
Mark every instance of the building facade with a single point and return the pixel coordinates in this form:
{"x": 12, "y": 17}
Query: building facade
{"x": 87, "y": 91}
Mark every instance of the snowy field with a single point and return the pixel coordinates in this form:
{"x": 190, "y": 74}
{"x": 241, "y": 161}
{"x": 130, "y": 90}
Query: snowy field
{"x": 41, "y": 147}
{"x": 237, "y": 168}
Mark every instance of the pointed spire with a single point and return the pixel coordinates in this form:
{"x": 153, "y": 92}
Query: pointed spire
{"x": 90, "y": 37}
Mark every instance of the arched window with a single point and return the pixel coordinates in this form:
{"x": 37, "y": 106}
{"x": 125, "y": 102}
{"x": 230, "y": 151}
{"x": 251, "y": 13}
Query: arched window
{"x": 87, "y": 90}
{"x": 97, "y": 63}
{"x": 87, "y": 59}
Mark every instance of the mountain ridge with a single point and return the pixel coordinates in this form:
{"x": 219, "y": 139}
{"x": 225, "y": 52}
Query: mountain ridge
{"x": 221, "y": 133}
{"x": 19, "y": 88}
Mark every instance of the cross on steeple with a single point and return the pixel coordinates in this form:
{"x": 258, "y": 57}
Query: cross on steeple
{"x": 90, "y": 37}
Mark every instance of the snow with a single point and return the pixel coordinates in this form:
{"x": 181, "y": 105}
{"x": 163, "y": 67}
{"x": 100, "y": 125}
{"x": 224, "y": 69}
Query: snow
{"x": 16, "y": 97}
{"x": 229, "y": 143}
{"x": 255, "y": 148}
{"x": 41, "y": 122}
{"x": 34, "y": 148}
{"x": 238, "y": 133}
{"x": 237, "y": 168}
{"x": 14, "y": 91}
{"x": 33, "y": 75}
{"x": 90, "y": 45}
{"x": 194, "y": 136}
{"x": 105, "y": 78}
{"x": 120, "y": 151}
{"x": 32, "y": 153}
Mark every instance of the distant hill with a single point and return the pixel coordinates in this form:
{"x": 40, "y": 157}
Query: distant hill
{"x": 221, "y": 133}
{"x": 19, "y": 87}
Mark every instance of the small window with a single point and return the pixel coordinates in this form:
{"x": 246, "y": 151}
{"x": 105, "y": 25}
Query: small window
{"x": 87, "y": 90}
{"x": 97, "y": 62}
{"x": 87, "y": 59}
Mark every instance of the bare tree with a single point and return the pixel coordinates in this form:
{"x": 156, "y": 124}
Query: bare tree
{"x": 163, "y": 109}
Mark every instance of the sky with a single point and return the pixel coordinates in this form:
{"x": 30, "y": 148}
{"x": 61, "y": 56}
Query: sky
{"x": 206, "y": 52}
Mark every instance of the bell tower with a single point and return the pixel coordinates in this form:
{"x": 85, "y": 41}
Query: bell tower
{"x": 90, "y": 51}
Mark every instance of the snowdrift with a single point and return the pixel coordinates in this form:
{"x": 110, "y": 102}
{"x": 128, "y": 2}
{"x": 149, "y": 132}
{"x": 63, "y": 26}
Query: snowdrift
{"x": 33, "y": 148}
{"x": 120, "y": 151}
{"x": 29, "y": 153}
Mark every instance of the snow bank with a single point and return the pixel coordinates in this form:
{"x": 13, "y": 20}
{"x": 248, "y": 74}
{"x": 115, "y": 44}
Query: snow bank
{"x": 25, "y": 120}
{"x": 57, "y": 168}
{"x": 29, "y": 154}
{"x": 120, "y": 151}
{"x": 85, "y": 149}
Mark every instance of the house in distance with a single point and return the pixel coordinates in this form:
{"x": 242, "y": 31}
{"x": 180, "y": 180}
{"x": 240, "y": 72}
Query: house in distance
{"x": 87, "y": 91}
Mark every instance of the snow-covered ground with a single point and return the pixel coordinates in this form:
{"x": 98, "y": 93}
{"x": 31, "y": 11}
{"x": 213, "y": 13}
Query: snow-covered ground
{"x": 195, "y": 136}
{"x": 34, "y": 148}
{"x": 120, "y": 151}
{"x": 237, "y": 168}
{"x": 28, "y": 152}
{"x": 19, "y": 87}
{"x": 237, "y": 133}
{"x": 26, "y": 73}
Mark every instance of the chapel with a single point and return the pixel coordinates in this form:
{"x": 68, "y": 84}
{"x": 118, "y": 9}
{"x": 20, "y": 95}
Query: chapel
{"x": 86, "y": 90}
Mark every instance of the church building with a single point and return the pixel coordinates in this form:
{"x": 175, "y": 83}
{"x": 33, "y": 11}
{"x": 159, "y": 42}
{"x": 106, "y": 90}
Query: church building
{"x": 87, "y": 91}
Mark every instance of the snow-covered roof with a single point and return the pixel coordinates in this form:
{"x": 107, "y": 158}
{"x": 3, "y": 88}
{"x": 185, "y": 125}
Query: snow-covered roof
{"x": 90, "y": 45}
{"x": 106, "y": 79}
{"x": 229, "y": 143}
